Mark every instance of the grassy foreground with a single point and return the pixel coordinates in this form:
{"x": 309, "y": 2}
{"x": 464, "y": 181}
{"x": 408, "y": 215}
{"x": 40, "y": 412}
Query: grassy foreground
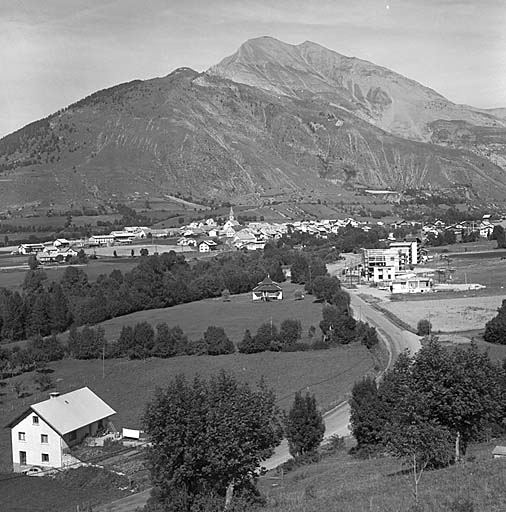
{"x": 343, "y": 484}
{"x": 128, "y": 385}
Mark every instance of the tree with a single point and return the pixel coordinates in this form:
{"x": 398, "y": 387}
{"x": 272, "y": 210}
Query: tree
{"x": 423, "y": 327}
{"x": 299, "y": 270}
{"x": 217, "y": 341}
{"x": 461, "y": 390}
{"x": 207, "y": 438}
{"x": 290, "y": 331}
{"x": 337, "y": 325}
{"x": 304, "y": 426}
{"x": 143, "y": 252}
{"x": 422, "y": 444}
{"x": 60, "y": 316}
{"x": 247, "y": 344}
{"x": 164, "y": 342}
{"x": 143, "y": 341}
{"x": 276, "y": 272}
{"x": 266, "y": 337}
{"x": 366, "y": 413}
{"x": 495, "y": 329}
{"x": 46, "y": 349}
{"x": 324, "y": 287}
{"x": 33, "y": 262}
{"x": 366, "y": 334}
{"x": 499, "y": 235}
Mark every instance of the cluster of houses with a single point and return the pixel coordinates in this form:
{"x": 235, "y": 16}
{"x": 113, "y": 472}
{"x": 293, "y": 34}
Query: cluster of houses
{"x": 207, "y": 235}
{"x": 483, "y": 228}
{"x": 58, "y": 250}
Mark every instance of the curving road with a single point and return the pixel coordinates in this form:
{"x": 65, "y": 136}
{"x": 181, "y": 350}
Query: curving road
{"x": 336, "y": 420}
{"x": 396, "y": 340}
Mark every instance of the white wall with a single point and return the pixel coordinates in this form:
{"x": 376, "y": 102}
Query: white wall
{"x": 33, "y": 446}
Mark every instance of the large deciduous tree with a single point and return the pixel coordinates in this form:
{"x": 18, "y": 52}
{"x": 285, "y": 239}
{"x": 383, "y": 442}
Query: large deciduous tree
{"x": 208, "y": 438}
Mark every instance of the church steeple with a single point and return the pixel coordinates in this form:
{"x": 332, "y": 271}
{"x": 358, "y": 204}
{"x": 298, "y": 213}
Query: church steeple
{"x": 231, "y": 214}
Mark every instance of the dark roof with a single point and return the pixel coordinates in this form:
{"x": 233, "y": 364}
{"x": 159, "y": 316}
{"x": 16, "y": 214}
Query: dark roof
{"x": 267, "y": 285}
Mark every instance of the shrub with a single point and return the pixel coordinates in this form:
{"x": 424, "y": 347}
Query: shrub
{"x": 423, "y": 327}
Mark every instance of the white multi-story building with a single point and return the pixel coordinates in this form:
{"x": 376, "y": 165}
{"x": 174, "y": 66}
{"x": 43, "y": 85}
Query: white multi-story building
{"x": 43, "y": 434}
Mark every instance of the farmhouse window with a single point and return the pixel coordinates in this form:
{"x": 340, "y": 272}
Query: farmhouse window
{"x": 45, "y": 457}
{"x": 44, "y": 438}
{"x": 21, "y": 436}
{"x": 35, "y": 420}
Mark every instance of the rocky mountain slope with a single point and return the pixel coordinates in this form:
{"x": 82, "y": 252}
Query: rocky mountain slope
{"x": 374, "y": 93}
{"x": 274, "y": 118}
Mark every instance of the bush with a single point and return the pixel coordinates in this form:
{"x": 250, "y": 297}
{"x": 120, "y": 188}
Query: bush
{"x": 217, "y": 341}
{"x": 43, "y": 381}
{"x": 423, "y": 327}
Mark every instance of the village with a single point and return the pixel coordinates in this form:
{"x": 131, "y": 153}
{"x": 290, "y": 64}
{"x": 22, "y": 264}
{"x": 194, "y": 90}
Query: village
{"x": 394, "y": 267}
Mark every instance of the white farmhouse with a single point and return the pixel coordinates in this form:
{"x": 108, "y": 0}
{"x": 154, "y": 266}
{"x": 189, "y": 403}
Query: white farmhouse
{"x": 44, "y": 433}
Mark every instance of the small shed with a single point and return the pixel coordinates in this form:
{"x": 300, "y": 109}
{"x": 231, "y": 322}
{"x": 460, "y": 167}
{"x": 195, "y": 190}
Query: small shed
{"x": 499, "y": 452}
{"x": 267, "y": 290}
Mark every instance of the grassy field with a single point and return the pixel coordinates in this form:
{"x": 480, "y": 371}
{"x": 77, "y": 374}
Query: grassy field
{"x": 13, "y": 279}
{"x": 29, "y": 494}
{"x": 447, "y": 315}
{"x": 343, "y": 484}
{"x": 235, "y": 316}
{"x": 128, "y": 385}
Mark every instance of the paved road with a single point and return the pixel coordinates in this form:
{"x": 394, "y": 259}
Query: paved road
{"x": 337, "y": 420}
{"x": 397, "y": 339}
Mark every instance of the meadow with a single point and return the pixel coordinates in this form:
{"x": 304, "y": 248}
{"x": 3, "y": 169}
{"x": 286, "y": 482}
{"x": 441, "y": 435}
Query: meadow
{"x": 342, "y": 483}
{"x": 128, "y": 385}
{"x": 235, "y": 317}
{"x": 13, "y": 278}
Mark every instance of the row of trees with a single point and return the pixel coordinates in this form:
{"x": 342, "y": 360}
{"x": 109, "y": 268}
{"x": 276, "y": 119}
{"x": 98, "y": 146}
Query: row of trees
{"x": 156, "y": 282}
{"x": 430, "y": 406}
{"x": 210, "y": 437}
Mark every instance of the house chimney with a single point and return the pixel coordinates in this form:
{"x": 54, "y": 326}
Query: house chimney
{"x": 54, "y": 394}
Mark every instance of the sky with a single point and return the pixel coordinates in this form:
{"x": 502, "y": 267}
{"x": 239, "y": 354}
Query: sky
{"x": 55, "y": 52}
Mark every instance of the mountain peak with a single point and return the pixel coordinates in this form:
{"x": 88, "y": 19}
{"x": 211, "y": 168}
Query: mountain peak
{"x": 374, "y": 93}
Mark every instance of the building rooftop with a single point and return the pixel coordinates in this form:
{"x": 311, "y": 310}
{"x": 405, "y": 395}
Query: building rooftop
{"x": 68, "y": 412}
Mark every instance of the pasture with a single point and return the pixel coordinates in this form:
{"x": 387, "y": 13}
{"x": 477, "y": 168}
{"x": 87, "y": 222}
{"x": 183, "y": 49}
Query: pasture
{"x": 128, "y": 385}
{"x": 13, "y": 278}
{"x": 235, "y": 316}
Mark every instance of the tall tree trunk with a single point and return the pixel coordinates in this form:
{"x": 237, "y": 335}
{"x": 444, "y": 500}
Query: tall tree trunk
{"x": 457, "y": 448}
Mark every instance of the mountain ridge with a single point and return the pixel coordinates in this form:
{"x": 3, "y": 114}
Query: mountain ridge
{"x": 204, "y": 135}
{"x": 377, "y": 94}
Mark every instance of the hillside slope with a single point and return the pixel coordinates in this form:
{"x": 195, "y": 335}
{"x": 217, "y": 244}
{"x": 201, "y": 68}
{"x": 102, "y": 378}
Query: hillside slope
{"x": 200, "y": 135}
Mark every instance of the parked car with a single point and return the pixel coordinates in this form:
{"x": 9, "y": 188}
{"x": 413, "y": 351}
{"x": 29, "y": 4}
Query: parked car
{"x": 33, "y": 471}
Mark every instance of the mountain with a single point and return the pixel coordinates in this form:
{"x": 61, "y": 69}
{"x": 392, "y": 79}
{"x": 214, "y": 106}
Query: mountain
{"x": 376, "y": 94}
{"x": 209, "y": 135}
